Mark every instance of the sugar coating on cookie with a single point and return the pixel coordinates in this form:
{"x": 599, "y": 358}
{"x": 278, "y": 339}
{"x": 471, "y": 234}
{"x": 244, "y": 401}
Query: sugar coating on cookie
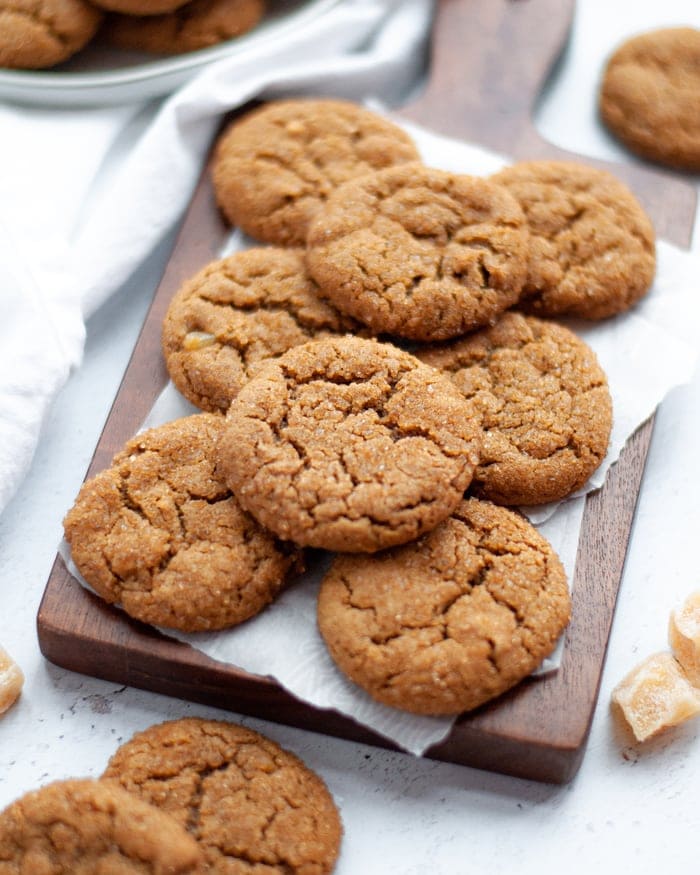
{"x": 650, "y": 93}
{"x": 87, "y": 827}
{"x": 41, "y": 33}
{"x": 247, "y": 801}
{"x": 656, "y": 695}
{"x": 237, "y": 313}
{"x": 349, "y": 444}
{"x": 198, "y": 24}
{"x": 592, "y": 251}
{"x": 276, "y": 167}
{"x": 140, "y": 7}
{"x": 160, "y": 533}
{"x": 420, "y": 253}
{"x": 545, "y": 406}
{"x": 444, "y": 624}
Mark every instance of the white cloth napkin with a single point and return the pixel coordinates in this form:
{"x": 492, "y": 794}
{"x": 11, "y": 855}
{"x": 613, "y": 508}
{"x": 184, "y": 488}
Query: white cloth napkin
{"x": 86, "y": 195}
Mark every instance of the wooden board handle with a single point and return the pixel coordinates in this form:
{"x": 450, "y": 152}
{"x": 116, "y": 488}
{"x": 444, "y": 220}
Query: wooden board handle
{"x": 484, "y": 95}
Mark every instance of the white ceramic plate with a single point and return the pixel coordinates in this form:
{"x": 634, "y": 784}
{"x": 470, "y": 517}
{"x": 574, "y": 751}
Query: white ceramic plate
{"x": 102, "y": 75}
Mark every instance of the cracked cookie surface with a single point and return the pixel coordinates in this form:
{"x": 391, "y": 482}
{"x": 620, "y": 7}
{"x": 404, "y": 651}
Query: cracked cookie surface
{"x": 545, "y": 406}
{"x": 235, "y": 314}
{"x": 161, "y": 534}
{"x": 196, "y": 25}
{"x": 349, "y": 444}
{"x": 89, "y": 827}
{"x": 276, "y": 167}
{"x": 41, "y": 33}
{"x": 592, "y": 251}
{"x": 443, "y": 625}
{"x": 420, "y": 253}
{"x": 252, "y": 806}
{"x": 650, "y": 93}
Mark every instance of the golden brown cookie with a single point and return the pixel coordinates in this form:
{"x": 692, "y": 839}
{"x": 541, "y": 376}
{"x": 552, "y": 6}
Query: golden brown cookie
{"x": 650, "y": 96}
{"x": 252, "y": 806}
{"x": 420, "y": 253}
{"x": 446, "y": 623}
{"x": 91, "y": 827}
{"x": 40, "y": 33}
{"x": 349, "y": 444}
{"x": 140, "y": 7}
{"x": 545, "y": 406}
{"x": 591, "y": 244}
{"x": 275, "y": 167}
{"x": 196, "y": 25}
{"x": 238, "y": 312}
{"x": 161, "y": 534}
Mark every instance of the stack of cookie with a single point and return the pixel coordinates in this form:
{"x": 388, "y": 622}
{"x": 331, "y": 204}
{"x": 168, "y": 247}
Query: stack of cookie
{"x": 35, "y": 35}
{"x": 185, "y": 797}
{"x": 336, "y": 436}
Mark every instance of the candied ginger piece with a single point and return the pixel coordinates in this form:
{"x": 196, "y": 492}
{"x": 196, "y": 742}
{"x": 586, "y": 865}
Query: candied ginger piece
{"x": 198, "y": 340}
{"x": 11, "y": 680}
{"x": 655, "y": 695}
{"x": 684, "y": 636}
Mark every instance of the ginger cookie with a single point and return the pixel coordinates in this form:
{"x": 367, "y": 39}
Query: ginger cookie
{"x": 41, "y": 33}
{"x": 237, "y": 313}
{"x": 276, "y": 167}
{"x": 251, "y": 805}
{"x": 443, "y": 625}
{"x": 140, "y": 7}
{"x": 89, "y": 827}
{"x": 198, "y": 24}
{"x": 650, "y": 95}
{"x": 161, "y": 534}
{"x": 545, "y": 406}
{"x": 592, "y": 248}
{"x": 420, "y": 253}
{"x": 349, "y": 444}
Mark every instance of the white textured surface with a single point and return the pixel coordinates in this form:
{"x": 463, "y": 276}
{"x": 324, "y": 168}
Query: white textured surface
{"x": 629, "y": 809}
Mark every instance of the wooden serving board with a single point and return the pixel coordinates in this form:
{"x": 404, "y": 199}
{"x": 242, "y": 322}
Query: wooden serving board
{"x": 489, "y": 62}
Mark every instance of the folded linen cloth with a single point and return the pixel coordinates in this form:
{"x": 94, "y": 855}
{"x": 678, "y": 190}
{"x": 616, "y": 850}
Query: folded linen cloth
{"x": 86, "y": 195}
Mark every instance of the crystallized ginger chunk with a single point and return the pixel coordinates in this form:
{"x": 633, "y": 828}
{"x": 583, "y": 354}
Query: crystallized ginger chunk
{"x": 11, "y": 680}
{"x": 655, "y": 695}
{"x": 684, "y": 636}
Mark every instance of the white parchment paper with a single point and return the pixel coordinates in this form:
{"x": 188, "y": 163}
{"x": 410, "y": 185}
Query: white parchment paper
{"x": 645, "y": 353}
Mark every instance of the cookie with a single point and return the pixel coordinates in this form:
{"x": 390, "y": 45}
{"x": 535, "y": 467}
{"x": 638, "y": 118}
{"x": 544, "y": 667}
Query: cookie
{"x": 198, "y": 24}
{"x": 650, "y": 94}
{"x": 237, "y": 313}
{"x": 275, "y": 167}
{"x": 161, "y": 534}
{"x": 443, "y": 625}
{"x": 140, "y": 7}
{"x": 420, "y": 253}
{"x": 41, "y": 33}
{"x": 349, "y": 444}
{"x": 89, "y": 827}
{"x": 248, "y": 802}
{"x": 592, "y": 248}
{"x": 545, "y": 406}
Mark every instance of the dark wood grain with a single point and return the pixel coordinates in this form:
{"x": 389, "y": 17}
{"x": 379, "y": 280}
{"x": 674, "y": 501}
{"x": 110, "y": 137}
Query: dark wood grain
{"x": 489, "y": 61}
